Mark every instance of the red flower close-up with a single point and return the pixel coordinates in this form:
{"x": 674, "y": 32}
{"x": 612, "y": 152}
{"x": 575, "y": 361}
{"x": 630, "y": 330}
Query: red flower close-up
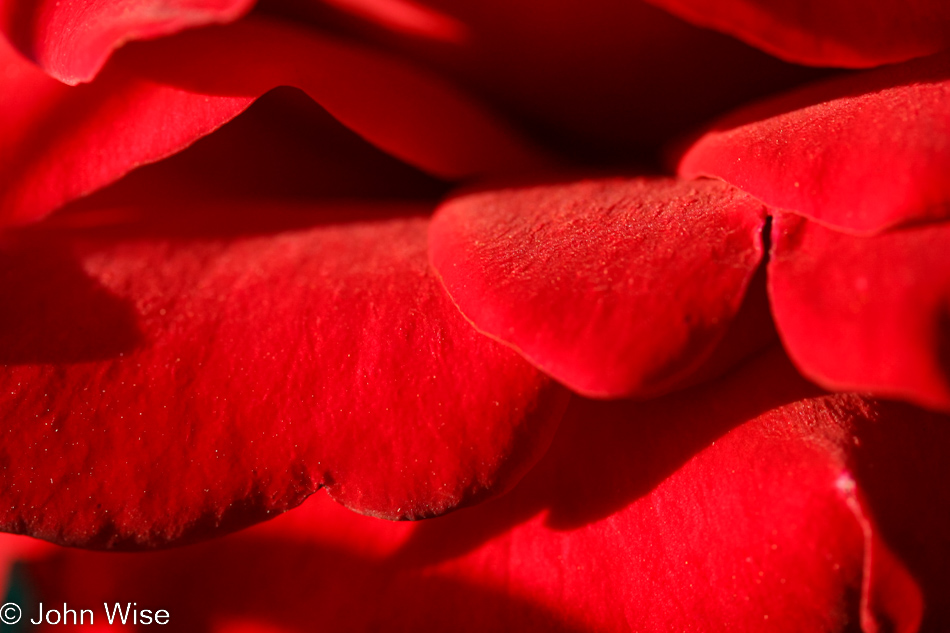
{"x": 401, "y": 315}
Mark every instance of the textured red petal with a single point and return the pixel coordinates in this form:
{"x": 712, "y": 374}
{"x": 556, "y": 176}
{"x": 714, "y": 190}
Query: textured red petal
{"x": 708, "y": 512}
{"x": 157, "y": 97}
{"x": 168, "y": 378}
{"x": 862, "y": 153}
{"x": 865, "y": 313}
{"x": 607, "y": 78}
{"x": 595, "y": 281}
{"x": 72, "y": 40}
{"x": 827, "y": 32}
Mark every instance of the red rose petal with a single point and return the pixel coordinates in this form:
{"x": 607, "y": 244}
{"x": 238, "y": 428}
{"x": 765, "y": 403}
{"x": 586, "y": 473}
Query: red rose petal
{"x": 604, "y": 79}
{"x": 827, "y": 32}
{"x": 862, "y": 153}
{"x": 865, "y": 313}
{"x": 710, "y": 511}
{"x": 72, "y": 40}
{"x": 595, "y": 281}
{"x": 269, "y": 152}
{"x": 158, "y": 97}
{"x": 168, "y": 378}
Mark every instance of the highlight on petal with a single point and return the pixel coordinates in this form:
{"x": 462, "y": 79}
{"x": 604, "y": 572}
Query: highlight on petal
{"x": 615, "y": 287}
{"x": 826, "y": 32}
{"x": 748, "y": 506}
{"x": 408, "y": 17}
{"x": 865, "y": 313}
{"x": 72, "y": 40}
{"x": 862, "y": 153}
{"x": 158, "y": 97}
{"x": 198, "y": 369}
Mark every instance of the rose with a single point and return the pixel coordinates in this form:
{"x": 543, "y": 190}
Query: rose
{"x": 668, "y": 361}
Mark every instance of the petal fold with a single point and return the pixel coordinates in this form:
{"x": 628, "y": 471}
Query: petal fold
{"x": 156, "y": 98}
{"x": 865, "y": 313}
{"x": 72, "y": 40}
{"x": 595, "y": 281}
{"x": 191, "y": 371}
{"x": 604, "y": 81}
{"x": 861, "y": 153}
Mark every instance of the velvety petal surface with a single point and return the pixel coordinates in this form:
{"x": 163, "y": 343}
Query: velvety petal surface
{"x": 865, "y": 313}
{"x": 72, "y": 40}
{"x": 188, "y": 370}
{"x": 615, "y": 287}
{"x": 862, "y": 153}
{"x": 827, "y": 32}
{"x": 157, "y": 97}
{"x": 604, "y": 80}
{"x": 740, "y": 507}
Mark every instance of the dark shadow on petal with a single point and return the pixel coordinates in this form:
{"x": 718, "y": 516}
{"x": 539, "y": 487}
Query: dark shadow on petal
{"x": 607, "y": 455}
{"x": 20, "y": 21}
{"x": 926, "y": 70}
{"x": 53, "y": 312}
{"x": 222, "y": 219}
{"x": 603, "y": 83}
{"x": 282, "y": 586}
{"x": 943, "y": 341}
{"x": 900, "y": 464}
{"x": 283, "y": 147}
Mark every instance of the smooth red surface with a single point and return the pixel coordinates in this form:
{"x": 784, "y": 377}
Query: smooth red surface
{"x": 863, "y": 153}
{"x": 616, "y": 287}
{"x": 191, "y": 369}
{"x": 706, "y": 511}
{"x": 606, "y": 79}
{"x": 71, "y": 40}
{"x": 158, "y": 97}
{"x": 827, "y": 32}
{"x": 865, "y": 313}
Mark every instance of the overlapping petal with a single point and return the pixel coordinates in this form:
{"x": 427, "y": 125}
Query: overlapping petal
{"x": 602, "y": 79}
{"x": 158, "y": 97}
{"x": 751, "y": 504}
{"x": 865, "y": 313}
{"x": 596, "y": 281}
{"x": 72, "y": 40}
{"x": 195, "y": 370}
{"x": 284, "y": 147}
{"x": 862, "y": 153}
{"x": 827, "y": 32}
